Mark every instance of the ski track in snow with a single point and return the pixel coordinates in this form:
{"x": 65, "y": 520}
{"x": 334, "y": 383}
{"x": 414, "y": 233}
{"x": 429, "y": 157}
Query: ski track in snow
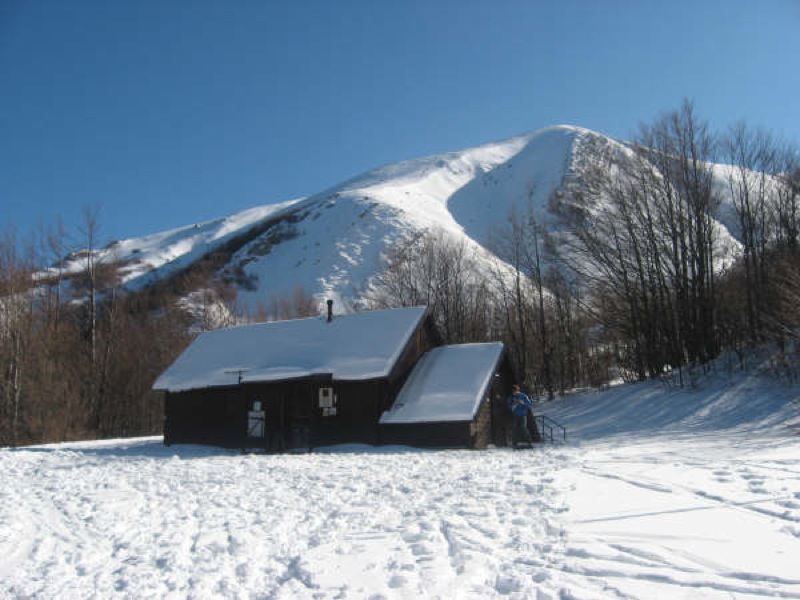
{"x": 699, "y": 519}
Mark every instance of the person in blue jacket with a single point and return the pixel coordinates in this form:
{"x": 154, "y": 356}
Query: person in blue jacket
{"x": 520, "y": 406}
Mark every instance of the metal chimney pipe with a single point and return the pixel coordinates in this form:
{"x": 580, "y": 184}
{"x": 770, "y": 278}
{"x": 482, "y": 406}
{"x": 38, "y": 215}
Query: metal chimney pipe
{"x": 330, "y": 311}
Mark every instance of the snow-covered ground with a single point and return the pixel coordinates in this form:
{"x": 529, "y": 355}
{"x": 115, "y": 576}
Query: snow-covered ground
{"x": 659, "y": 493}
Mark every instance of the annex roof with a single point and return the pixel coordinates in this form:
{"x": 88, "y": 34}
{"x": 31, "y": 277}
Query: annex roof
{"x": 356, "y": 346}
{"x": 447, "y": 384}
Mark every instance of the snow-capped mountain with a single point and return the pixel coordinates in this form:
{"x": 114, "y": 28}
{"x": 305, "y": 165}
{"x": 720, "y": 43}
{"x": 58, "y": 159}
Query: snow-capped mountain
{"x": 332, "y": 243}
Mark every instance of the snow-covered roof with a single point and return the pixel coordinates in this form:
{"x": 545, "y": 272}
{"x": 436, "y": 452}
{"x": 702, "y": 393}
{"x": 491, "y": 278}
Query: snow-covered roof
{"x": 357, "y": 346}
{"x": 447, "y": 384}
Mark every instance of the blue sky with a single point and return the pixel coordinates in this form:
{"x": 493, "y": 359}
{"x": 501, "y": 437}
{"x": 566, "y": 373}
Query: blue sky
{"x": 166, "y": 113}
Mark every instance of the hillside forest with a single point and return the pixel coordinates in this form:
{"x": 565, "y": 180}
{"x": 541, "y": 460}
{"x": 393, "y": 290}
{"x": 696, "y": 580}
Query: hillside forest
{"x": 636, "y": 281}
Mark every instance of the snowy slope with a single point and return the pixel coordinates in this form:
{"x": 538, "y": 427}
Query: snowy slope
{"x": 689, "y": 493}
{"x": 338, "y": 245}
{"x": 332, "y": 243}
{"x": 659, "y": 493}
{"x": 161, "y": 254}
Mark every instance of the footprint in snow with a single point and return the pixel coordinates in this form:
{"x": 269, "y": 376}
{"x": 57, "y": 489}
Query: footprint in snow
{"x": 507, "y": 585}
{"x": 413, "y": 538}
{"x": 795, "y": 531}
{"x": 396, "y": 581}
{"x": 421, "y": 551}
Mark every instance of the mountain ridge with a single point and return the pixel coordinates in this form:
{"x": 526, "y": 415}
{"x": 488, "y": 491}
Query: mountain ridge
{"x": 333, "y": 243}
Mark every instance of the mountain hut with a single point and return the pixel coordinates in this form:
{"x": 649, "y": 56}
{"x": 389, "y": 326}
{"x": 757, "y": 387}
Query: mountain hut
{"x": 305, "y": 383}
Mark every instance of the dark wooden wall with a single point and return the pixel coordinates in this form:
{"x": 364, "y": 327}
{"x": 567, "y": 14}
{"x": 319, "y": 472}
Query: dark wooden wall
{"x": 423, "y": 339}
{"x": 288, "y": 412}
{"x": 292, "y": 416}
{"x": 357, "y": 412}
{"x": 428, "y": 435}
{"x": 210, "y": 416}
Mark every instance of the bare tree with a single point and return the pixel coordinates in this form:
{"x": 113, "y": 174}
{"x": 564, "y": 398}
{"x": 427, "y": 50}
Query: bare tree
{"x": 429, "y": 270}
{"x": 90, "y": 230}
{"x": 787, "y": 191}
{"x": 682, "y": 148}
{"x": 16, "y": 312}
{"x": 752, "y": 156}
{"x": 296, "y": 305}
{"x": 520, "y": 243}
{"x": 514, "y": 294}
{"x": 641, "y": 234}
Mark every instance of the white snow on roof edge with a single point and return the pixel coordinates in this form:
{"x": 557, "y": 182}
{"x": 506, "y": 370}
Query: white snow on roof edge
{"x": 352, "y": 347}
{"x": 447, "y": 384}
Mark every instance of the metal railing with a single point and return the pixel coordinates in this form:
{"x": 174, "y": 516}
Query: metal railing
{"x": 550, "y": 429}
